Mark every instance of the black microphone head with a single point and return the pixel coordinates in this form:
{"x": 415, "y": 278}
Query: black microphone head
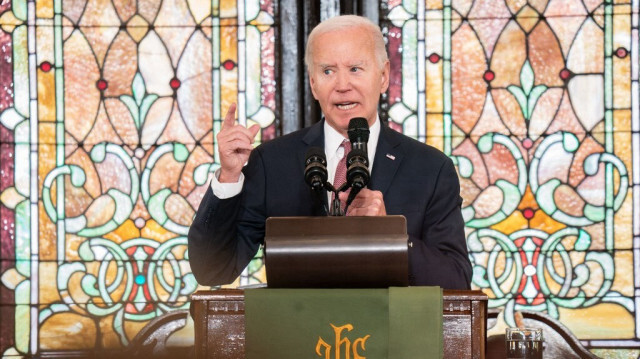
{"x": 358, "y": 130}
{"x": 314, "y": 152}
{"x": 357, "y": 169}
{"x": 315, "y": 171}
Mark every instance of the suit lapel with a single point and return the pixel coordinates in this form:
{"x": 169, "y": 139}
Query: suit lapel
{"x": 389, "y": 155}
{"x": 313, "y": 138}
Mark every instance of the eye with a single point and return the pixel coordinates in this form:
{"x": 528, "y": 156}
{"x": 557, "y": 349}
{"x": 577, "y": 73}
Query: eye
{"x": 354, "y": 69}
{"x": 327, "y": 71}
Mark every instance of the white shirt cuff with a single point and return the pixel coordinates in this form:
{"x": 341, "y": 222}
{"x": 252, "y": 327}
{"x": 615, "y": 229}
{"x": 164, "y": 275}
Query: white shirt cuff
{"x": 226, "y": 190}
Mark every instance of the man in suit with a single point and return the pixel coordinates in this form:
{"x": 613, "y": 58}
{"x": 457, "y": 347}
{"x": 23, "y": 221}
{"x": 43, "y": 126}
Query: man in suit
{"x": 348, "y": 70}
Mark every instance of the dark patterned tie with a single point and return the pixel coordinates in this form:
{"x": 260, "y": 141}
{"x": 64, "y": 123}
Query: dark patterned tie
{"x": 341, "y": 171}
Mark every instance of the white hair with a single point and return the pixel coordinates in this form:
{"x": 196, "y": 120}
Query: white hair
{"x": 344, "y": 22}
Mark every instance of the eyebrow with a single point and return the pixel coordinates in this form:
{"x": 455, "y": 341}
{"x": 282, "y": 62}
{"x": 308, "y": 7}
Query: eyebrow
{"x": 358, "y": 63}
{"x": 324, "y": 66}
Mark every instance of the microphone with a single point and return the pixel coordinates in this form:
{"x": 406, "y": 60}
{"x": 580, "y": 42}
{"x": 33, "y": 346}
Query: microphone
{"x": 315, "y": 171}
{"x": 357, "y": 160}
{"x": 357, "y": 170}
{"x": 358, "y": 132}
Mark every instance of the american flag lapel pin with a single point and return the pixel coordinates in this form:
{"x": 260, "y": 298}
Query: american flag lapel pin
{"x": 391, "y": 157}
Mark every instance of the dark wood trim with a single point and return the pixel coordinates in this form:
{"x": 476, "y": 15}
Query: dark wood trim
{"x": 290, "y": 65}
{"x": 221, "y": 333}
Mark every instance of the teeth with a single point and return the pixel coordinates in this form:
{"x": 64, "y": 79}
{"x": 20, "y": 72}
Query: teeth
{"x": 346, "y": 106}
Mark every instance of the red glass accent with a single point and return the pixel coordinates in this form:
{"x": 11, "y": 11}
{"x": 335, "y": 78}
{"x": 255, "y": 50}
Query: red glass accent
{"x": 395, "y": 58}
{"x": 621, "y": 52}
{"x": 102, "y": 84}
{"x": 6, "y": 80}
{"x": 520, "y": 299}
{"x": 489, "y": 76}
{"x": 267, "y": 73}
{"x": 174, "y": 83}
{"x": 565, "y": 74}
{"x": 434, "y": 58}
{"x": 528, "y": 213}
{"x": 228, "y": 65}
{"x": 46, "y": 66}
{"x": 527, "y": 143}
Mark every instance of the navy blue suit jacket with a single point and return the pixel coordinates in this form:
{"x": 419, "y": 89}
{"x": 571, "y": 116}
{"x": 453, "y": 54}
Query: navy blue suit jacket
{"x": 416, "y": 180}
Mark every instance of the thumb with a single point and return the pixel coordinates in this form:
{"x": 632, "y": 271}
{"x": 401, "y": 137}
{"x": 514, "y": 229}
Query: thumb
{"x": 343, "y": 196}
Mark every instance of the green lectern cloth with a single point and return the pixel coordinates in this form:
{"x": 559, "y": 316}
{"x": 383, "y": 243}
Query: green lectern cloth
{"x": 344, "y": 323}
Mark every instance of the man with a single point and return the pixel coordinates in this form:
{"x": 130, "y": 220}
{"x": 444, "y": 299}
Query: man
{"x": 348, "y": 70}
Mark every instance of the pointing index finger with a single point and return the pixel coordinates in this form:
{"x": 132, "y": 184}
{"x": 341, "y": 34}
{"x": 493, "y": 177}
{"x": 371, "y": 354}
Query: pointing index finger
{"x": 230, "y": 117}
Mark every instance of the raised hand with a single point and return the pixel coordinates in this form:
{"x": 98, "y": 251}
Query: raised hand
{"x": 366, "y": 203}
{"x": 234, "y": 146}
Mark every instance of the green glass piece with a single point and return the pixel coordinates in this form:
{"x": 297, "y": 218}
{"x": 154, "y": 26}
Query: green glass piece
{"x": 180, "y": 152}
{"x": 99, "y": 152}
{"x": 533, "y": 98}
{"x": 411, "y": 6}
{"x": 606, "y": 262}
{"x": 485, "y": 144}
{"x": 479, "y": 277}
{"x": 580, "y": 275}
{"x": 19, "y": 8}
{"x": 22, "y": 320}
{"x": 156, "y": 206}
{"x": 570, "y": 142}
{"x": 594, "y": 213}
{"x": 145, "y": 106}
{"x": 138, "y": 88}
{"x": 526, "y": 77}
{"x": 251, "y": 9}
{"x": 23, "y": 238}
{"x": 465, "y": 167}
{"x": 544, "y": 196}
{"x": 521, "y": 98}
{"x": 583, "y": 242}
{"x": 90, "y": 285}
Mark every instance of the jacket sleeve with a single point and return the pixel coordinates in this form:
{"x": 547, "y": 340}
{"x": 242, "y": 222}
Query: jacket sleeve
{"x": 442, "y": 251}
{"x": 226, "y": 233}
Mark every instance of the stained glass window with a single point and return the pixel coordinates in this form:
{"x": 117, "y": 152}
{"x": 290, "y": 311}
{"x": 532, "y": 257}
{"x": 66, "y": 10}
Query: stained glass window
{"x": 108, "y": 116}
{"x": 537, "y": 104}
{"x": 109, "y": 110}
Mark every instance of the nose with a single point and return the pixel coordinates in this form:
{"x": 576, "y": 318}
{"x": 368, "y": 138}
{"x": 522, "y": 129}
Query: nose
{"x": 343, "y": 82}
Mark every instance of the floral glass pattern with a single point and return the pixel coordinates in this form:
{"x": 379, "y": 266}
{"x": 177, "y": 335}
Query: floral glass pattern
{"x": 108, "y": 113}
{"x": 536, "y": 102}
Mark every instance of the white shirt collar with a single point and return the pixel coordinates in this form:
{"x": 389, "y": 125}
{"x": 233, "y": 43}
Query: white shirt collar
{"x": 333, "y": 139}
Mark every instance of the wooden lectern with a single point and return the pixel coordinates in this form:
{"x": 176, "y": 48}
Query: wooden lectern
{"x": 334, "y": 252}
{"x": 219, "y": 324}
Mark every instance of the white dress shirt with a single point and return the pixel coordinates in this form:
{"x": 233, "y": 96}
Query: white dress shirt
{"x": 332, "y": 149}
{"x": 334, "y": 152}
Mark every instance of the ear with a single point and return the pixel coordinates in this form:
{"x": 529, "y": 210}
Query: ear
{"x": 384, "y": 85}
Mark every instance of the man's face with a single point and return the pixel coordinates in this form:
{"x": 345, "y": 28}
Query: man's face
{"x": 346, "y": 78}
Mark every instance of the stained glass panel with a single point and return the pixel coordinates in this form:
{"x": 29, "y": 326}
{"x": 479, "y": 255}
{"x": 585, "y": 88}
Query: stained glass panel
{"x": 537, "y": 104}
{"x": 108, "y": 112}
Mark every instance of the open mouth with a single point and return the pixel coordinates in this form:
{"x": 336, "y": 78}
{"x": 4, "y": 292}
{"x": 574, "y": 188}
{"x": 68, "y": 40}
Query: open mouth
{"x": 346, "y": 105}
